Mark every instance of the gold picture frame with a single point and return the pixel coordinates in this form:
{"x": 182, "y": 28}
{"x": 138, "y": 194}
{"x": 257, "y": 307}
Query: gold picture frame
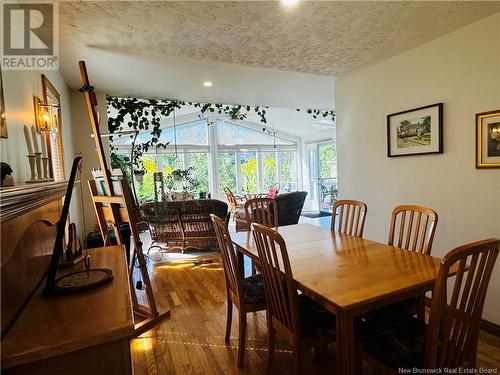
{"x": 488, "y": 139}
{"x": 3, "y": 119}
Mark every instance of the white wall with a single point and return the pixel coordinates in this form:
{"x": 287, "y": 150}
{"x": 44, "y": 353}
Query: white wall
{"x": 461, "y": 69}
{"x": 19, "y": 88}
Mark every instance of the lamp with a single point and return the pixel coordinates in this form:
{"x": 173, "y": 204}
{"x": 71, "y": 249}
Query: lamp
{"x": 45, "y": 116}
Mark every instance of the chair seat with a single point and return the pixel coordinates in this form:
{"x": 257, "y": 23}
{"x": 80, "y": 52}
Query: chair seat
{"x": 398, "y": 342}
{"x": 253, "y": 289}
{"x": 395, "y": 309}
{"x": 314, "y": 319}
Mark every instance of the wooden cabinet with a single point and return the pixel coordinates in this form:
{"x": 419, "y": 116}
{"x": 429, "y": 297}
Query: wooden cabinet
{"x": 86, "y": 333}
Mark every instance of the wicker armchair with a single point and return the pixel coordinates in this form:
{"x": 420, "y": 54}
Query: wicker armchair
{"x": 183, "y": 224}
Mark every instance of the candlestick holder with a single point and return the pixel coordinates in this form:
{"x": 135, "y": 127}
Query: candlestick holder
{"x": 31, "y": 160}
{"x": 38, "y": 162}
{"x": 45, "y": 164}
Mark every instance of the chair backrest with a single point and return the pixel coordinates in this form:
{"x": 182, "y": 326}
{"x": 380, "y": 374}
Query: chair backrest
{"x": 452, "y": 335}
{"x": 262, "y": 211}
{"x": 414, "y": 227}
{"x": 348, "y": 217}
{"x": 290, "y": 207}
{"x": 281, "y": 293}
{"x": 229, "y": 257}
{"x": 230, "y": 197}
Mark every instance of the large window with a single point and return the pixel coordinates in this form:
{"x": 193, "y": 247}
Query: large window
{"x": 244, "y": 159}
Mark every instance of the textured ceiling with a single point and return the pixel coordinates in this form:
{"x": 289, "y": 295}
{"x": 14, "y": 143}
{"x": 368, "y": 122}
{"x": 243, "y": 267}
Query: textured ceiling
{"x": 326, "y": 38}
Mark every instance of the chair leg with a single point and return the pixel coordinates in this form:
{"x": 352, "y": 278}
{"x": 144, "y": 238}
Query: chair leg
{"x": 270, "y": 350}
{"x": 229, "y": 319}
{"x": 241, "y": 343}
{"x": 297, "y": 360}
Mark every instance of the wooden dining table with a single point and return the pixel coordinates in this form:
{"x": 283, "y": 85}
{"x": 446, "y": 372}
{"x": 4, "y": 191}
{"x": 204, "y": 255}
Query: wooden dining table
{"x": 348, "y": 276}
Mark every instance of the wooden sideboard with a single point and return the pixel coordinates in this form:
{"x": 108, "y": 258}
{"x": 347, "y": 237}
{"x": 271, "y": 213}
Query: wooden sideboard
{"x": 28, "y": 214}
{"x": 86, "y": 333}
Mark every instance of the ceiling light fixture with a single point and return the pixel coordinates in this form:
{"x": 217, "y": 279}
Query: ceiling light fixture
{"x": 289, "y": 3}
{"x": 207, "y": 84}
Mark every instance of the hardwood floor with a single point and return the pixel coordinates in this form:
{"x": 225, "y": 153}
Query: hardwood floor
{"x": 192, "y": 340}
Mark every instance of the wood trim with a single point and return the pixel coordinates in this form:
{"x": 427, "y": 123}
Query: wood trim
{"x": 18, "y": 200}
{"x": 485, "y": 325}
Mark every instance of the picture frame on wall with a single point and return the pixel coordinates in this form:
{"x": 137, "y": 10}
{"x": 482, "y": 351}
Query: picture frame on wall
{"x": 416, "y": 131}
{"x": 488, "y": 139}
{"x": 3, "y": 118}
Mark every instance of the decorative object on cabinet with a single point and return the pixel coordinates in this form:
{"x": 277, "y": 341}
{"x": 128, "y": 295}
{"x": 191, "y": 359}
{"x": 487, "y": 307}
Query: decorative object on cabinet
{"x": 488, "y": 139}
{"x": 6, "y": 171}
{"x": 416, "y": 131}
{"x": 3, "y": 118}
{"x": 77, "y": 281}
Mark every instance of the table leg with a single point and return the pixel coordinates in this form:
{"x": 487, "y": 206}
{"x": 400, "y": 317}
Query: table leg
{"x": 346, "y": 350}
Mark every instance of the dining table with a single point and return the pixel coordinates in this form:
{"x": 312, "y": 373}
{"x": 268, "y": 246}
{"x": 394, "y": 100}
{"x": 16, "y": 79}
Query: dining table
{"x": 349, "y": 276}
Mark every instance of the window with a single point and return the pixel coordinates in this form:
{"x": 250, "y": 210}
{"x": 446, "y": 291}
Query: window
{"x": 269, "y": 170}
{"x": 199, "y": 161}
{"x": 249, "y": 172}
{"x": 227, "y": 171}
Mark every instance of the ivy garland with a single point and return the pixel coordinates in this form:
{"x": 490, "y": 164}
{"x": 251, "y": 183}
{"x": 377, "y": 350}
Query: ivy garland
{"x": 145, "y": 115}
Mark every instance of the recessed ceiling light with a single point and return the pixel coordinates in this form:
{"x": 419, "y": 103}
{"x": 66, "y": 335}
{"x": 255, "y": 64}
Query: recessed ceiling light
{"x": 289, "y": 3}
{"x": 207, "y": 84}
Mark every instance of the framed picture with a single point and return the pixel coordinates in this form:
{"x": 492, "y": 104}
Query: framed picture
{"x": 415, "y": 131}
{"x": 488, "y": 139}
{"x": 3, "y": 120}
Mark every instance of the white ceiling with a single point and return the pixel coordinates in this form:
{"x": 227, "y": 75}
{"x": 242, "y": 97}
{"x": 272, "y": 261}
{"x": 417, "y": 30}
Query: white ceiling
{"x": 255, "y": 53}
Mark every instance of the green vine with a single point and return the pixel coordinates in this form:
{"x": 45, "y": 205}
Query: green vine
{"x": 145, "y": 115}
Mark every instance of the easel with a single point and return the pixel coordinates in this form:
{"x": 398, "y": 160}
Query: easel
{"x": 118, "y": 210}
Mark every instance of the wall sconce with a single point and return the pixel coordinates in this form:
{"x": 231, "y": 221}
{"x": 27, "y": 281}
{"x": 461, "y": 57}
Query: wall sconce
{"x": 45, "y": 116}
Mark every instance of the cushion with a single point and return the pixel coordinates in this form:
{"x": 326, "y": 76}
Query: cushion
{"x": 314, "y": 319}
{"x": 253, "y": 289}
{"x": 398, "y": 342}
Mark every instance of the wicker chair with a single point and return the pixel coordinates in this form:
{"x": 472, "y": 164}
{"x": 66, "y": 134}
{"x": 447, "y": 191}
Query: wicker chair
{"x": 290, "y": 207}
{"x": 183, "y": 224}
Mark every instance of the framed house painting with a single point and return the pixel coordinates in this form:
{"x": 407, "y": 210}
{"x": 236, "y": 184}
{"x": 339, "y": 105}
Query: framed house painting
{"x": 488, "y": 139}
{"x": 415, "y": 131}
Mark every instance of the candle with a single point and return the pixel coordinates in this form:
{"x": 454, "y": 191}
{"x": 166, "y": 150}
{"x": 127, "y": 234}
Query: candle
{"x": 44, "y": 145}
{"x": 35, "y": 140}
{"x": 28, "y": 140}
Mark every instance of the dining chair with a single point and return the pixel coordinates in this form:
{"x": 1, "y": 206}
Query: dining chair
{"x": 235, "y": 202}
{"x": 296, "y": 318}
{"x": 348, "y": 217}
{"x": 412, "y": 228}
{"x": 247, "y": 294}
{"x": 261, "y": 211}
{"x": 451, "y": 337}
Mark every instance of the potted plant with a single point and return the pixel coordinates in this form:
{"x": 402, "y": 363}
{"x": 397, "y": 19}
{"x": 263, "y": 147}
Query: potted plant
{"x": 139, "y": 175}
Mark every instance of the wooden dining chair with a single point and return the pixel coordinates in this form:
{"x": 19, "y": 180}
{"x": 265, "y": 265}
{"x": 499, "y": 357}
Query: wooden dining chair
{"x": 348, "y": 217}
{"x": 296, "y": 318}
{"x": 261, "y": 211}
{"x": 235, "y": 202}
{"x": 412, "y": 228}
{"x": 451, "y": 337}
{"x": 247, "y": 294}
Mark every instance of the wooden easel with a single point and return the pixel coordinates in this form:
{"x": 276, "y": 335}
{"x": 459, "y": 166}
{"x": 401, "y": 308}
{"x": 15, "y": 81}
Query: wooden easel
{"x": 118, "y": 210}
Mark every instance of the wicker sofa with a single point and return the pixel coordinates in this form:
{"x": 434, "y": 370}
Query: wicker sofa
{"x": 183, "y": 224}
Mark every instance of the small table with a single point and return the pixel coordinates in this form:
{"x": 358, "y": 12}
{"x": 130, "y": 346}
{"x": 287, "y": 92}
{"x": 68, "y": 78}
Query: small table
{"x": 348, "y": 276}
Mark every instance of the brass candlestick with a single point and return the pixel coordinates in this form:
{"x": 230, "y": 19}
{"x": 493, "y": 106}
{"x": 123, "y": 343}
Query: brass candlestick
{"x": 45, "y": 163}
{"x": 31, "y": 160}
{"x": 38, "y": 160}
